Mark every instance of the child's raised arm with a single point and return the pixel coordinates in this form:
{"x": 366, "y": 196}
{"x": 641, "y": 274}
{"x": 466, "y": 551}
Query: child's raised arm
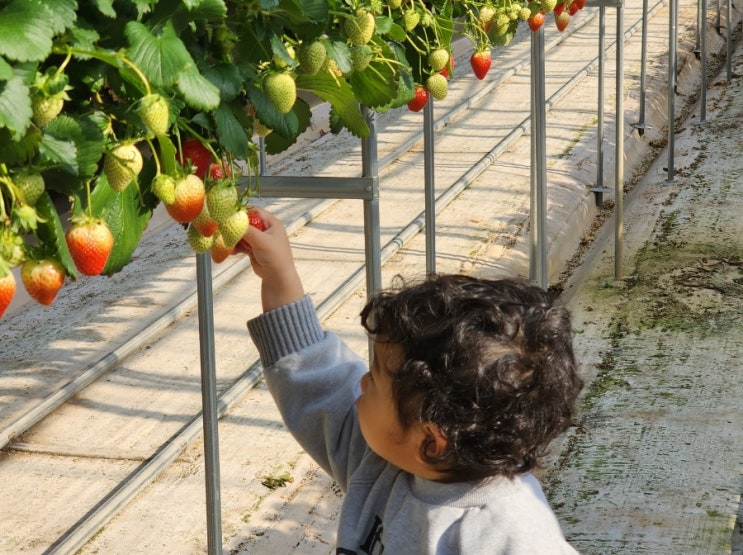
{"x": 271, "y": 257}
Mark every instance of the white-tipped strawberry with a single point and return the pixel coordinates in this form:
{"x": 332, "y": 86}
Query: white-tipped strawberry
{"x": 155, "y": 113}
{"x": 234, "y": 227}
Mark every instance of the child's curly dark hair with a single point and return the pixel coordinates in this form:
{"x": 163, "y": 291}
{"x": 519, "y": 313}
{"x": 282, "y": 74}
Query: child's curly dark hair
{"x": 490, "y": 362}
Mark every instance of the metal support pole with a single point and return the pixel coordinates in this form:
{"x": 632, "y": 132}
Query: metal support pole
{"x": 619, "y": 162}
{"x": 429, "y": 187}
{"x": 538, "y": 208}
{"x": 672, "y": 42}
{"x": 703, "y": 55}
{"x": 729, "y": 25}
{"x": 209, "y": 403}
{"x": 372, "y": 234}
{"x": 640, "y": 126}
{"x": 599, "y": 189}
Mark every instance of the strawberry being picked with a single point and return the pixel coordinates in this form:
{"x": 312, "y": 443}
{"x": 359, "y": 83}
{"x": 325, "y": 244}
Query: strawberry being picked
{"x": 90, "y": 242}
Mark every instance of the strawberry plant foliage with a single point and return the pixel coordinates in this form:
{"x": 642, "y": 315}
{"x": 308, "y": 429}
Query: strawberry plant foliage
{"x": 87, "y": 85}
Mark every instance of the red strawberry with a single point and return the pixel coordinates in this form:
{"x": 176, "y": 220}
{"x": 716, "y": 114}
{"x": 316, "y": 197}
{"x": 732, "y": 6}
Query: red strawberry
{"x": 562, "y": 20}
{"x": 559, "y": 8}
{"x": 197, "y": 154}
{"x": 420, "y": 99}
{"x": 219, "y": 171}
{"x": 42, "y": 279}
{"x": 90, "y": 243}
{"x": 7, "y": 290}
{"x": 480, "y": 62}
{"x": 189, "y": 199}
{"x": 536, "y": 21}
{"x": 580, "y": 3}
{"x": 573, "y": 9}
{"x": 255, "y": 221}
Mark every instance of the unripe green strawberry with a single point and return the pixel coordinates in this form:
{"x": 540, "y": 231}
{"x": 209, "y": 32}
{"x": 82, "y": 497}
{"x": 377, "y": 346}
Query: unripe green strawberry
{"x": 7, "y": 288}
{"x": 189, "y": 199}
{"x": 198, "y": 243}
{"x": 360, "y": 29}
{"x": 438, "y": 86}
{"x": 548, "y": 5}
{"x": 90, "y": 243}
{"x": 438, "y": 59}
{"x": 42, "y": 279}
{"x": 394, "y": 4}
{"x": 361, "y": 56}
{"x": 485, "y": 16}
{"x": 234, "y": 227}
{"x": 312, "y": 57}
{"x": 11, "y": 247}
{"x": 154, "y": 111}
{"x": 281, "y": 91}
{"x": 31, "y": 184}
{"x": 524, "y": 13}
{"x": 221, "y": 200}
{"x": 46, "y": 108}
{"x": 163, "y": 186}
{"x": 410, "y": 19}
{"x": 122, "y": 166}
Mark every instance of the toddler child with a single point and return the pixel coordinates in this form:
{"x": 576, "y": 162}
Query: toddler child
{"x": 434, "y": 445}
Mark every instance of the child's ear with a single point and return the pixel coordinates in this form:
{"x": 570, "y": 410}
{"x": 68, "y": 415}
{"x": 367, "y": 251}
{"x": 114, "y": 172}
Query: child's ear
{"x": 434, "y": 441}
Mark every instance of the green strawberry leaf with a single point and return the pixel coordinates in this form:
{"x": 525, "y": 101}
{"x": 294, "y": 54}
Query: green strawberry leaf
{"x": 106, "y": 7}
{"x": 127, "y": 218}
{"x": 197, "y": 90}
{"x": 231, "y": 132}
{"x": 51, "y": 234}
{"x": 18, "y": 152}
{"x": 59, "y": 152}
{"x": 276, "y": 143}
{"x": 226, "y": 78}
{"x": 376, "y": 85}
{"x": 15, "y": 107}
{"x": 286, "y": 125}
{"x": 27, "y": 28}
{"x": 340, "y": 96}
{"x": 161, "y": 58}
{"x": 87, "y": 138}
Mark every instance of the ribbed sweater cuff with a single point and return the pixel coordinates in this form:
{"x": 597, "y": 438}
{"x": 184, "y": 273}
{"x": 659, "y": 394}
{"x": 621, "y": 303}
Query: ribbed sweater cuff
{"x": 285, "y": 330}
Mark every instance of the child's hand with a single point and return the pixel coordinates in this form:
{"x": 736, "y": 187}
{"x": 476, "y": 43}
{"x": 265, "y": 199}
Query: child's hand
{"x": 271, "y": 257}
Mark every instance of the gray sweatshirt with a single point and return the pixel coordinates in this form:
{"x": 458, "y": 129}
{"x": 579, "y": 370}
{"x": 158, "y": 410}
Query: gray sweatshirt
{"x": 314, "y": 376}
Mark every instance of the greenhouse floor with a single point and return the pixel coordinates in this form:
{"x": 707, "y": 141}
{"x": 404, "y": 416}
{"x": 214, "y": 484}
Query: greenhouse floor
{"x": 655, "y": 464}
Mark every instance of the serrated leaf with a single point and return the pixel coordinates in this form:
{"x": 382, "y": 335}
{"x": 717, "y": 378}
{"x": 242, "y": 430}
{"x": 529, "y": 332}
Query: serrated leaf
{"x": 51, "y": 234}
{"x": 106, "y": 7}
{"x": 286, "y": 125}
{"x": 275, "y": 143}
{"x": 376, "y": 85}
{"x": 340, "y": 96}
{"x": 161, "y": 58}
{"x": 59, "y": 152}
{"x": 6, "y": 70}
{"x": 83, "y": 38}
{"x": 19, "y": 152}
{"x": 23, "y": 35}
{"x": 230, "y": 132}
{"x": 15, "y": 107}
{"x": 197, "y": 90}
{"x": 87, "y": 137}
{"x": 127, "y": 219}
{"x": 227, "y": 78}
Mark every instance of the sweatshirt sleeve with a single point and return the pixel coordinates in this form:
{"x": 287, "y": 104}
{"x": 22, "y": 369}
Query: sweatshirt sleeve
{"x": 313, "y": 377}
